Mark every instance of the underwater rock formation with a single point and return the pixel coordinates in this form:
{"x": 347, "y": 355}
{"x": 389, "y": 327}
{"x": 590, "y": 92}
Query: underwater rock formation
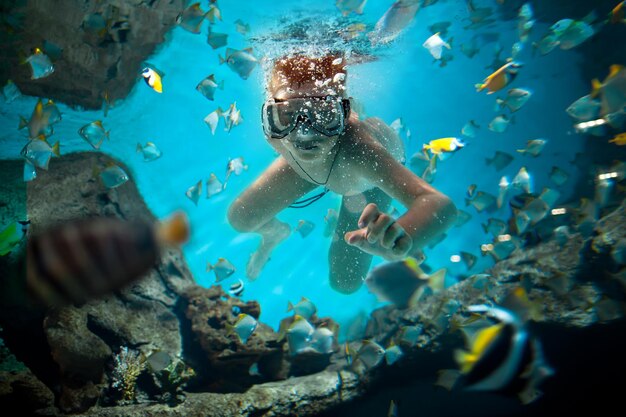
{"x": 74, "y": 344}
{"x": 101, "y": 355}
{"x": 160, "y": 346}
{"x": 96, "y": 47}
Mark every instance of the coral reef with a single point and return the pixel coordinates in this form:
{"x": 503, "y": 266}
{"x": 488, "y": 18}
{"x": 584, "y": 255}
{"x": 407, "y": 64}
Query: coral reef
{"x": 127, "y": 367}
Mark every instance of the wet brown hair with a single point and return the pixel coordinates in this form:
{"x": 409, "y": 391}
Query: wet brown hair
{"x": 293, "y": 71}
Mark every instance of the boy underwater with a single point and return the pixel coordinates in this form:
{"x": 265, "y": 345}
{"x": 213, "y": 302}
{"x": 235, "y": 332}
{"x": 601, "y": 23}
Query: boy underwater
{"x": 307, "y": 120}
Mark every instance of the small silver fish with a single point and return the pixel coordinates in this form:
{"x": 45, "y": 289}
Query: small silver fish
{"x": 482, "y": 201}
{"x": 29, "y": 173}
{"x": 38, "y": 152}
{"x": 232, "y": 117}
{"x": 495, "y": 227}
{"x": 40, "y": 121}
{"x": 113, "y": 176}
{"x": 158, "y": 361}
{"x": 235, "y": 166}
{"x": 331, "y": 222}
{"x": 394, "y": 21}
{"x": 522, "y": 180}
{"x": 370, "y": 353}
{"x": 244, "y": 326}
{"x": 304, "y": 308}
{"x": 500, "y": 160}
{"x": 503, "y": 189}
{"x": 149, "y": 151}
{"x": 94, "y": 133}
{"x": 393, "y": 354}
{"x": 558, "y": 176}
{"x": 242, "y": 27}
{"x": 191, "y": 18}
{"x": 212, "y": 119}
{"x": 213, "y": 186}
{"x": 547, "y": 43}
{"x": 322, "y": 340}
{"x": 223, "y": 269}
{"x": 435, "y": 45}
{"x": 515, "y": 99}
{"x": 533, "y": 147}
{"x": 462, "y": 217}
{"x": 468, "y": 259}
{"x": 40, "y": 65}
{"x": 499, "y": 124}
{"x": 299, "y": 335}
{"x": 410, "y": 334}
{"x": 402, "y": 282}
{"x": 470, "y": 128}
{"x": 304, "y": 227}
{"x": 194, "y": 192}
{"x": 208, "y": 86}
{"x": 350, "y": 6}
{"x": 213, "y": 13}
{"x": 216, "y": 40}
{"x": 575, "y": 34}
{"x": 11, "y": 92}
{"x": 242, "y": 62}
{"x": 470, "y": 49}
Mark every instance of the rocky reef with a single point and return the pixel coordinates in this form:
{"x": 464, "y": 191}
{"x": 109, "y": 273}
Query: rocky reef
{"x": 97, "y": 47}
{"x": 95, "y": 359}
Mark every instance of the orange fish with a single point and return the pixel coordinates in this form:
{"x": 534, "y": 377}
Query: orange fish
{"x": 500, "y": 78}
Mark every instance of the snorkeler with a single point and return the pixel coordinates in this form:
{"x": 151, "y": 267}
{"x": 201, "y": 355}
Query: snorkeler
{"x": 308, "y": 121}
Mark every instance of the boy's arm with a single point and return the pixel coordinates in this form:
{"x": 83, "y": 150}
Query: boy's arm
{"x": 429, "y": 213}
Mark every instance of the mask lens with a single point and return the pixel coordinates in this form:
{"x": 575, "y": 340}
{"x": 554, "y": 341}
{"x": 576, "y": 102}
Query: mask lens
{"x": 324, "y": 115}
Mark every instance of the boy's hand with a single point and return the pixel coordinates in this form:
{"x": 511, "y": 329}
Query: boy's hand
{"x": 380, "y": 234}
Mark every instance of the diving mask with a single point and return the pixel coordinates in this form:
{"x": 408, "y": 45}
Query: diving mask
{"x": 326, "y": 115}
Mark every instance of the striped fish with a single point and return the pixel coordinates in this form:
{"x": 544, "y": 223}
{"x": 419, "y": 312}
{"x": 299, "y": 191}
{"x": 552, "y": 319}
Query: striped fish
{"x": 503, "y": 356}
{"x": 87, "y": 258}
{"x": 236, "y": 289}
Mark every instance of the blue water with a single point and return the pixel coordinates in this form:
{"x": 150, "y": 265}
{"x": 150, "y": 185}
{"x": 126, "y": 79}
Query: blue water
{"x": 404, "y": 82}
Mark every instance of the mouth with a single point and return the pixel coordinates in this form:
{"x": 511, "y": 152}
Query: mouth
{"x": 305, "y": 146}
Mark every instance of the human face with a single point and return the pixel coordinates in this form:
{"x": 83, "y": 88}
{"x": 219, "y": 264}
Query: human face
{"x": 306, "y": 124}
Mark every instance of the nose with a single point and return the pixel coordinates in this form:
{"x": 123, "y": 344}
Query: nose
{"x": 302, "y": 118}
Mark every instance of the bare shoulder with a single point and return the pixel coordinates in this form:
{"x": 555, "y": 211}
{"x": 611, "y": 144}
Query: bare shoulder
{"x": 381, "y": 129}
{"x": 372, "y": 137}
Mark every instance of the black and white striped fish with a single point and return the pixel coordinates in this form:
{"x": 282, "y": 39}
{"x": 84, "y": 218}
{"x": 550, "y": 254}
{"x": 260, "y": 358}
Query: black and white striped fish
{"x": 82, "y": 259}
{"x": 502, "y": 356}
{"x": 236, "y": 289}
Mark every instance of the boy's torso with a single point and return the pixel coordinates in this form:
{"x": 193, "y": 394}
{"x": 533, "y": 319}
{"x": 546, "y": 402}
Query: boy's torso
{"x": 345, "y": 178}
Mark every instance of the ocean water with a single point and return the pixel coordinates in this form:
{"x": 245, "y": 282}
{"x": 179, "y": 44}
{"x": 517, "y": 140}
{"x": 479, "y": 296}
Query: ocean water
{"x": 402, "y": 82}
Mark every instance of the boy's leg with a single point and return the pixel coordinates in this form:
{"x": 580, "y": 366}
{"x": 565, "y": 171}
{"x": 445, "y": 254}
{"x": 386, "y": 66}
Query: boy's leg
{"x": 255, "y": 209}
{"x": 348, "y": 264}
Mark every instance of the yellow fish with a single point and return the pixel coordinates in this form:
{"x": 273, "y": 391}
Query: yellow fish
{"x": 500, "y": 78}
{"x": 439, "y": 146}
{"x": 153, "y": 79}
{"x": 619, "y": 140}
